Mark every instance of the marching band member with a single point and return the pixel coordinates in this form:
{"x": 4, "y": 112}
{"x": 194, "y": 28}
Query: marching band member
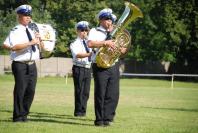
{"x": 81, "y": 68}
{"x": 106, "y": 81}
{"x": 21, "y": 42}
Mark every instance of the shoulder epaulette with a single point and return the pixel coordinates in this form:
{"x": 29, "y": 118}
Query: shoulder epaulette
{"x": 72, "y": 41}
{"x": 13, "y": 29}
{"x": 98, "y": 29}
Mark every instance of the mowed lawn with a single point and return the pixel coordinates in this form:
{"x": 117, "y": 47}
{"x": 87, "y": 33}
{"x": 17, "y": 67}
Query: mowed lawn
{"x": 145, "y": 106}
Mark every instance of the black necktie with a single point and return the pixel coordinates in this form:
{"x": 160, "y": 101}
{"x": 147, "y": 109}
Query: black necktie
{"x": 87, "y": 50}
{"x": 109, "y": 37}
{"x": 30, "y": 39}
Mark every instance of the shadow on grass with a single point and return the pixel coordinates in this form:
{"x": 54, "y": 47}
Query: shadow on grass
{"x": 60, "y": 122}
{"x": 176, "y": 109}
{"x": 58, "y": 116}
{"x": 48, "y": 117}
{"x": 7, "y": 111}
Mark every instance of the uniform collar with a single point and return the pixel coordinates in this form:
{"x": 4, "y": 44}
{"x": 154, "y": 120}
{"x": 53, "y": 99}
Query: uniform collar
{"x": 22, "y": 26}
{"x": 100, "y": 28}
{"x": 80, "y": 39}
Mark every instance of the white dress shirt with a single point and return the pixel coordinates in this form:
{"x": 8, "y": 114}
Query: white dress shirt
{"x": 98, "y": 34}
{"x": 18, "y": 35}
{"x": 78, "y": 47}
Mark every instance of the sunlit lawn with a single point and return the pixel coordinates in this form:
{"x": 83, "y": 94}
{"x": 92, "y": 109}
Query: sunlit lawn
{"x": 145, "y": 106}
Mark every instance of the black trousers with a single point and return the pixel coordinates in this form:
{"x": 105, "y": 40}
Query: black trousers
{"x": 82, "y": 81}
{"x": 25, "y": 82}
{"x": 106, "y": 92}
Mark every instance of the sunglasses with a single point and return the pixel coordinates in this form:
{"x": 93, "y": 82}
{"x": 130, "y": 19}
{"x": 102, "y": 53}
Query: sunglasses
{"x": 107, "y": 18}
{"x": 82, "y": 30}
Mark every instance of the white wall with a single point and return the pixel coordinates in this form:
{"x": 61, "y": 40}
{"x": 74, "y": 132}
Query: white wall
{"x": 46, "y": 67}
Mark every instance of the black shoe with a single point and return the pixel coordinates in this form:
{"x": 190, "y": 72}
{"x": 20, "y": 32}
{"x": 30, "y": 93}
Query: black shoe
{"x": 18, "y": 119}
{"x": 111, "y": 120}
{"x": 25, "y": 119}
{"x": 107, "y": 123}
{"x": 99, "y": 123}
{"x": 79, "y": 114}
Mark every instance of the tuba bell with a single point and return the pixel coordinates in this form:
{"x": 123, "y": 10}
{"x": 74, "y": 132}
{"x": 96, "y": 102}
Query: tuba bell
{"x": 122, "y": 38}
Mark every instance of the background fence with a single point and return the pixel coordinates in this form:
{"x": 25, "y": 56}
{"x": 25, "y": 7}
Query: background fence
{"x": 54, "y": 66}
{"x": 57, "y": 66}
{"x": 172, "y": 76}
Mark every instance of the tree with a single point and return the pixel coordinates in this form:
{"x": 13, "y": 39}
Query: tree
{"x": 168, "y": 31}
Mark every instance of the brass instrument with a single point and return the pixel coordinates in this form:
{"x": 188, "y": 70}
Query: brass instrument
{"x": 106, "y": 57}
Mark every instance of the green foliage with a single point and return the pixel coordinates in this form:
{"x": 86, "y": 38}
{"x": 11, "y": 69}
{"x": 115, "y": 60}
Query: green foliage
{"x": 167, "y": 32}
{"x": 6, "y": 24}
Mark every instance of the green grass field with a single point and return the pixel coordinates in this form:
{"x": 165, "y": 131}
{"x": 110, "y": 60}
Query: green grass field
{"x": 145, "y": 106}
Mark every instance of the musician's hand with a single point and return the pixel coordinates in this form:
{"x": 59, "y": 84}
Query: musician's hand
{"x": 123, "y": 50}
{"x": 34, "y": 41}
{"x": 37, "y": 35}
{"x": 110, "y": 44}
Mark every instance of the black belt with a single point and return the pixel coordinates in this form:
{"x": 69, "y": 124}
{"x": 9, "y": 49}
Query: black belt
{"x": 82, "y": 65}
{"x": 25, "y": 62}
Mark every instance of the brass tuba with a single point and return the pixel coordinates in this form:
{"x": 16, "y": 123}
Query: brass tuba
{"x": 106, "y": 57}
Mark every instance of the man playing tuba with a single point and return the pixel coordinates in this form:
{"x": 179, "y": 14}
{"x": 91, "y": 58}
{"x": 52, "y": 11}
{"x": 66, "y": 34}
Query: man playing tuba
{"x": 106, "y": 80}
